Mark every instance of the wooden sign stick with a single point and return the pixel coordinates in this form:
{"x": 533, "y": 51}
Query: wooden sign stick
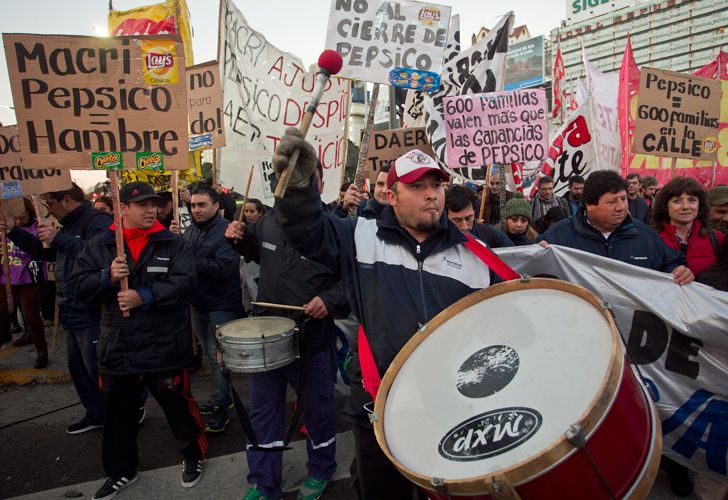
{"x": 114, "y": 178}
{"x": 175, "y": 196}
{"x": 245, "y": 196}
{"x": 6, "y": 262}
{"x": 484, "y": 198}
{"x": 364, "y": 145}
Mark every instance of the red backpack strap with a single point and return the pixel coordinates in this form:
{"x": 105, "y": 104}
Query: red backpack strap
{"x": 490, "y": 259}
{"x": 369, "y": 372}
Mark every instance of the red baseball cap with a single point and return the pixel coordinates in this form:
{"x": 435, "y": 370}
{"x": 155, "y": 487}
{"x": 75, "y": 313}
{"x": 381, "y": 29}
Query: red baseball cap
{"x": 412, "y": 165}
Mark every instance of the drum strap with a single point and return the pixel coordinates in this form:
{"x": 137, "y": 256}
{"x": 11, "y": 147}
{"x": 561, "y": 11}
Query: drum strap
{"x": 369, "y": 371}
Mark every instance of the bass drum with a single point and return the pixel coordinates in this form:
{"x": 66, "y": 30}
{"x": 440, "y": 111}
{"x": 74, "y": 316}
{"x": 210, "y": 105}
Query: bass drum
{"x": 519, "y": 390}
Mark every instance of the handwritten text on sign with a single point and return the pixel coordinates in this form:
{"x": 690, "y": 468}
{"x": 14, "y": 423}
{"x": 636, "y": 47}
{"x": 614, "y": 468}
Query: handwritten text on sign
{"x": 375, "y": 37}
{"x": 75, "y": 95}
{"x": 498, "y": 127}
{"x": 677, "y": 115}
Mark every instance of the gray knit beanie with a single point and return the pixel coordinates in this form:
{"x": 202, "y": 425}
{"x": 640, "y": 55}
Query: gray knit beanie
{"x": 518, "y": 206}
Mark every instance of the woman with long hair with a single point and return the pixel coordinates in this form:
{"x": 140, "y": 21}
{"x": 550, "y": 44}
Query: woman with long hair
{"x": 680, "y": 215}
{"x": 26, "y": 277}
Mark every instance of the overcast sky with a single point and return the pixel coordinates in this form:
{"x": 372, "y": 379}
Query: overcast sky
{"x": 294, "y": 26}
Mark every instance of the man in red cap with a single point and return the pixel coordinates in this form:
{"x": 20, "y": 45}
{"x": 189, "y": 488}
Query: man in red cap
{"x": 400, "y": 269}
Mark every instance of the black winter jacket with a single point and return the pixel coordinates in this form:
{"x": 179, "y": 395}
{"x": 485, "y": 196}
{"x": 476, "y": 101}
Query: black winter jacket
{"x": 156, "y": 336}
{"x": 217, "y": 265}
{"x": 81, "y": 225}
{"x": 396, "y": 284}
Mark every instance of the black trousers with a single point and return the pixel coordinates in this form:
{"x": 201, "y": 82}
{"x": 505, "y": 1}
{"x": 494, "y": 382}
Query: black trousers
{"x": 378, "y": 478}
{"x": 122, "y": 394}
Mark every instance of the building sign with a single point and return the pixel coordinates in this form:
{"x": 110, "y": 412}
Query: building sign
{"x": 581, "y": 10}
{"x": 524, "y": 64}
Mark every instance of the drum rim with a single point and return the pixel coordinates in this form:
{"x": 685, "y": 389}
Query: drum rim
{"x": 527, "y": 469}
{"x": 292, "y": 327}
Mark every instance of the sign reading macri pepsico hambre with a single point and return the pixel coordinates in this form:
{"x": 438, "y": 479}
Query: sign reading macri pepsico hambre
{"x": 374, "y": 38}
{"x": 495, "y": 128}
{"x": 78, "y": 95}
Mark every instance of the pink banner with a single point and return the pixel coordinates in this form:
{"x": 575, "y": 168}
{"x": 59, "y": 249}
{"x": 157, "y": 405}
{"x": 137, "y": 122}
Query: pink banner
{"x": 495, "y": 128}
{"x": 709, "y": 173}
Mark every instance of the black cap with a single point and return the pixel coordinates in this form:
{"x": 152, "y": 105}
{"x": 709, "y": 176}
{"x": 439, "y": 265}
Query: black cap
{"x": 137, "y": 191}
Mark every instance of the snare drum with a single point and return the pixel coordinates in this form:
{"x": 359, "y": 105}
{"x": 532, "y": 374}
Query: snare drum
{"x": 257, "y": 344}
{"x": 521, "y": 389}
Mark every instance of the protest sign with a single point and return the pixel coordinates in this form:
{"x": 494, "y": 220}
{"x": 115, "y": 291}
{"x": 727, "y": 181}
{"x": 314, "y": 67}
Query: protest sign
{"x": 375, "y": 38}
{"x": 677, "y": 115}
{"x": 385, "y": 146}
{"x": 674, "y": 334}
{"x": 76, "y": 95}
{"x": 498, "y": 127}
{"x": 32, "y": 181}
{"x": 266, "y": 91}
{"x": 603, "y": 89}
{"x": 571, "y": 152}
{"x": 204, "y": 95}
{"x": 524, "y": 64}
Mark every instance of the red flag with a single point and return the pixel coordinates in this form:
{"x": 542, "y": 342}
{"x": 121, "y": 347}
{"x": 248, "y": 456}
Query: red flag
{"x": 558, "y": 85}
{"x": 629, "y": 85}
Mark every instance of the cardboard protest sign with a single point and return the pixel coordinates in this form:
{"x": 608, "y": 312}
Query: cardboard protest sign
{"x": 385, "y": 146}
{"x": 376, "y": 38}
{"x": 204, "y": 95}
{"x": 495, "y": 128}
{"x": 76, "y": 95}
{"x": 265, "y": 91}
{"x": 677, "y": 115}
{"x": 32, "y": 181}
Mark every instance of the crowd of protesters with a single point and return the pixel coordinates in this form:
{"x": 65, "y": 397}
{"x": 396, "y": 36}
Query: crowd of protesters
{"x": 129, "y": 319}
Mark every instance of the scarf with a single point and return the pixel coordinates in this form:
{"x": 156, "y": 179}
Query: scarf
{"x": 136, "y": 239}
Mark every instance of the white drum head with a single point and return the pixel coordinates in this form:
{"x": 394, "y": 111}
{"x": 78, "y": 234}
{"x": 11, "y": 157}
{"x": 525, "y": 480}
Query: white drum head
{"x": 257, "y": 327}
{"x": 497, "y": 383}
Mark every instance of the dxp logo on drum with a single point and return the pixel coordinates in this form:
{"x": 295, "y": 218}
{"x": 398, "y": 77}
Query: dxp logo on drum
{"x": 490, "y": 434}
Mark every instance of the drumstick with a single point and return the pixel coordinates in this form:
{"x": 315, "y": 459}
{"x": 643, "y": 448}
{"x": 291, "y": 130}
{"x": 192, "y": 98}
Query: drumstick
{"x": 278, "y": 306}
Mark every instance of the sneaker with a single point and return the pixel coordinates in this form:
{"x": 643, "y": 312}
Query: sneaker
{"x": 208, "y": 408}
{"x": 218, "y": 421}
{"x": 254, "y": 494}
{"x": 142, "y": 414}
{"x": 191, "y": 472}
{"x": 113, "y": 485}
{"x": 312, "y": 488}
{"x": 84, "y": 425}
{"x": 41, "y": 360}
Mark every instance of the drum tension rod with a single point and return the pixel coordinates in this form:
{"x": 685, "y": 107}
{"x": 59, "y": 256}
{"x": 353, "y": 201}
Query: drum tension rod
{"x": 439, "y": 484}
{"x": 502, "y": 489}
{"x": 575, "y": 436}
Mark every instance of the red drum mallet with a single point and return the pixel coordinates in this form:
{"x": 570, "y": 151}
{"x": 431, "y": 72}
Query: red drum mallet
{"x": 330, "y": 63}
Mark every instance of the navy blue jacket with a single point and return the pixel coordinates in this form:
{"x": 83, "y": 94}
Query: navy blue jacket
{"x": 81, "y": 225}
{"x": 395, "y": 283}
{"x": 217, "y": 265}
{"x": 633, "y": 242}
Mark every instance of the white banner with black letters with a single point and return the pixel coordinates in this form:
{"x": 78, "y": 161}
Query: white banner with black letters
{"x": 677, "y": 335}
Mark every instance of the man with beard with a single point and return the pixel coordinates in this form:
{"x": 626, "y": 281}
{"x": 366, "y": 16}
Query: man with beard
{"x": 718, "y": 216}
{"x": 545, "y": 200}
{"x": 650, "y": 186}
{"x": 412, "y": 247}
{"x": 573, "y": 195}
{"x": 491, "y": 214}
{"x": 603, "y": 226}
{"x": 217, "y": 298}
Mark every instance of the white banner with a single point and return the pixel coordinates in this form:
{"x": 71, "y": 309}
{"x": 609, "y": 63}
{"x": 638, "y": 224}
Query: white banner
{"x": 604, "y": 90}
{"x": 375, "y": 37}
{"x": 266, "y": 91}
{"x": 571, "y": 152}
{"x": 675, "y": 334}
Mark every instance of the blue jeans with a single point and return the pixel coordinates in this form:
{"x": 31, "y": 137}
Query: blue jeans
{"x": 267, "y": 409}
{"x": 204, "y": 325}
{"x": 83, "y": 367}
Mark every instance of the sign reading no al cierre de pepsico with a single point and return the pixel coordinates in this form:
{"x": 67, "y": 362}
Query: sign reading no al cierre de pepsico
{"x": 76, "y": 95}
{"x": 495, "y": 128}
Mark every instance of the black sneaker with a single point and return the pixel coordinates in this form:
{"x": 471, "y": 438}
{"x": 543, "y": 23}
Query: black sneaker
{"x": 84, "y": 425}
{"x": 218, "y": 421}
{"x": 208, "y": 408}
{"x": 191, "y": 472}
{"x": 113, "y": 485}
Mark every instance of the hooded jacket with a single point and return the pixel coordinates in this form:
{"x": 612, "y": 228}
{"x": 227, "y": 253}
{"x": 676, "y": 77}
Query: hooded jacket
{"x": 156, "y": 336}
{"x": 395, "y": 283}
{"x": 217, "y": 266}
{"x": 632, "y": 242}
{"x": 700, "y": 254}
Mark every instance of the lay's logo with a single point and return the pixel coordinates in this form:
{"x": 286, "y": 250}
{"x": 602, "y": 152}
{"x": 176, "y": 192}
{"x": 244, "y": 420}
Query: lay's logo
{"x": 159, "y": 61}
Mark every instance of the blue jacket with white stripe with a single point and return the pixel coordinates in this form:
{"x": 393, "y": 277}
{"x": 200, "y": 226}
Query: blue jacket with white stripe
{"x": 394, "y": 282}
